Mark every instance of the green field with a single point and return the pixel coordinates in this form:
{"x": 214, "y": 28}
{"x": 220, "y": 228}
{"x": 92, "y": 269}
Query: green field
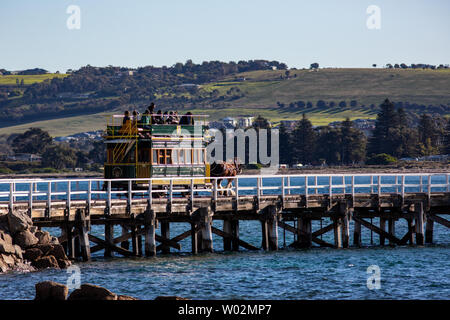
{"x": 29, "y": 79}
{"x": 263, "y": 89}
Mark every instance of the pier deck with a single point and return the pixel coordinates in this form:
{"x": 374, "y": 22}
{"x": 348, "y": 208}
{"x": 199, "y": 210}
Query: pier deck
{"x": 75, "y": 204}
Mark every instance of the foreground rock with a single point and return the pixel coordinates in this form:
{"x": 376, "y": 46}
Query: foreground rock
{"x": 23, "y": 247}
{"x": 53, "y": 291}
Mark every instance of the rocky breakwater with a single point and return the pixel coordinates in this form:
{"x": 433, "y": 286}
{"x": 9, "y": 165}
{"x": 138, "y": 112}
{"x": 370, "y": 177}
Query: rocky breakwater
{"x": 23, "y": 247}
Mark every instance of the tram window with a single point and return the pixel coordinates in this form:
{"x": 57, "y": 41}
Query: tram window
{"x": 168, "y": 156}
{"x": 161, "y": 156}
{"x": 175, "y": 156}
{"x": 195, "y": 152}
{"x": 202, "y": 156}
{"x": 155, "y": 156}
{"x": 188, "y": 156}
{"x": 181, "y": 159}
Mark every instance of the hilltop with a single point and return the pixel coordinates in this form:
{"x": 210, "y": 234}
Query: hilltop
{"x": 77, "y": 102}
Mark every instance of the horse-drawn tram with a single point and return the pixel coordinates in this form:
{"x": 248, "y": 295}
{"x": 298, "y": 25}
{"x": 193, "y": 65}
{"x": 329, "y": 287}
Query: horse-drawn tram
{"x": 146, "y": 149}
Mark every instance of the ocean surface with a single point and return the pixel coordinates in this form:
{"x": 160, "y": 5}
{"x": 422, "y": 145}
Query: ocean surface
{"x": 406, "y": 272}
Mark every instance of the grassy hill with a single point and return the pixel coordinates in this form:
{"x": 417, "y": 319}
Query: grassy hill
{"x": 28, "y": 79}
{"x": 263, "y": 89}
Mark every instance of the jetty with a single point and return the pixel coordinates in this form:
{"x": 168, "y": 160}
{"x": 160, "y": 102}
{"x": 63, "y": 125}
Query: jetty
{"x": 278, "y": 202}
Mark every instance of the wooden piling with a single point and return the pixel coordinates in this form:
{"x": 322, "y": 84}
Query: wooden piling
{"x": 272, "y": 227}
{"x": 125, "y": 244}
{"x": 264, "y": 235}
{"x": 305, "y": 233}
{"x": 109, "y": 238}
{"x": 411, "y": 231}
{"x": 419, "y": 216}
{"x": 82, "y": 224}
{"x": 206, "y": 223}
{"x": 194, "y": 238}
{"x": 391, "y": 229}
{"x": 344, "y": 212}
{"x": 136, "y": 245}
{"x": 235, "y": 233}
{"x": 357, "y": 234}
{"x": 429, "y": 231}
{"x": 382, "y": 227}
{"x": 337, "y": 226}
{"x": 150, "y": 224}
{"x": 165, "y": 233}
{"x": 227, "y": 228}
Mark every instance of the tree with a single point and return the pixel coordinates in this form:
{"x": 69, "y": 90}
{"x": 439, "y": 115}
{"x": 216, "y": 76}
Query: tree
{"x": 353, "y": 143}
{"x": 383, "y": 139}
{"x": 34, "y": 140}
{"x": 446, "y": 145}
{"x": 429, "y": 134}
{"x": 261, "y": 123}
{"x": 314, "y": 65}
{"x": 285, "y": 144}
{"x": 304, "y": 144}
{"x": 59, "y": 157}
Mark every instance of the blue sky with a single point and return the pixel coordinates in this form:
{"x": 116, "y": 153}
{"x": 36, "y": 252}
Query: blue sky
{"x": 146, "y": 32}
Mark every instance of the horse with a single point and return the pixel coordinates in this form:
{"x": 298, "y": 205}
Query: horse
{"x": 226, "y": 169}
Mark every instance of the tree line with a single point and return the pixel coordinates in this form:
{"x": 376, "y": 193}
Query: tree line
{"x": 394, "y": 137}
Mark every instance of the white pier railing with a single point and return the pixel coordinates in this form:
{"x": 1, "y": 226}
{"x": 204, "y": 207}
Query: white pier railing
{"x": 30, "y": 191}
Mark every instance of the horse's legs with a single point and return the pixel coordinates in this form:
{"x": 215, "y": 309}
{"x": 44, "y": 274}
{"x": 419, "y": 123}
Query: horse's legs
{"x": 230, "y": 191}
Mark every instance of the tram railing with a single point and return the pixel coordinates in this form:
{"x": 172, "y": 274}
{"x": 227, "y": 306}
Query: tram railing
{"x": 94, "y": 191}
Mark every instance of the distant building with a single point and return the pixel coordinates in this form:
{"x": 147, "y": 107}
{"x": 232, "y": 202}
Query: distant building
{"x": 228, "y": 121}
{"x": 290, "y": 125}
{"x": 24, "y": 157}
{"x": 245, "y": 122}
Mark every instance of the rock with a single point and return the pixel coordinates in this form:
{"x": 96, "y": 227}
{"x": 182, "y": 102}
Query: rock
{"x": 170, "y": 298}
{"x": 3, "y": 219}
{"x": 32, "y": 254}
{"x": 58, "y": 252}
{"x": 7, "y": 248}
{"x": 45, "y": 262}
{"x": 92, "y": 292}
{"x": 18, "y": 251}
{"x": 9, "y": 260}
{"x": 124, "y": 297}
{"x": 55, "y": 240}
{"x": 3, "y": 266}
{"x": 5, "y": 237}
{"x": 44, "y": 237}
{"x": 45, "y": 248}
{"x": 51, "y": 291}
{"x": 25, "y": 239}
{"x": 18, "y": 221}
{"x": 64, "y": 263}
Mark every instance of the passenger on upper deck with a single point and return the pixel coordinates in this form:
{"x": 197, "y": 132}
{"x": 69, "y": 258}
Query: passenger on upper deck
{"x": 135, "y": 116}
{"x": 126, "y": 117}
{"x": 187, "y": 119}
{"x": 145, "y": 119}
{"x": 165, "y": 117}
{"x": 158, "y": 118}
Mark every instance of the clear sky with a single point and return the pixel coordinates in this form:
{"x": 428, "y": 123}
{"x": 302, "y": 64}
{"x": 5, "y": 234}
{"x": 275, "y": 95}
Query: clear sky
{"x": 131, "y": 33}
